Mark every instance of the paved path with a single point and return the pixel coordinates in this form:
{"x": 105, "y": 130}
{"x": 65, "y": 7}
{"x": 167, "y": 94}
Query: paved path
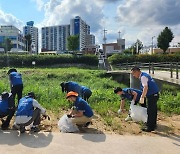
{"x": 58, "y": 143}
{"x": 160, "y": 75}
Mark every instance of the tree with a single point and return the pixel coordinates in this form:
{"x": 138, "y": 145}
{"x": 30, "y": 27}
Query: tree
{"x": 73, "y": 42}
{"x": 6, "y": 44}
{"x": 164, "y": 38}
{"x": 28, "y": 42}
{"x": 134, "y": 47}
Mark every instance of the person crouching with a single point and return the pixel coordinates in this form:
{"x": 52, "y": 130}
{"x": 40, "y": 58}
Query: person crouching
{"x": 81, "y": 114}
{"x": 28, "y": 112}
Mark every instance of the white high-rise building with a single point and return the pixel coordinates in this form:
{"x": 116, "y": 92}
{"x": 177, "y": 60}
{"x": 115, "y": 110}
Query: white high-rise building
{"x": 33, "y": 31}
{"x": 54, "y": 38}
{"x": 90, "y": 39}
{"x": 79, "y": 27}
{"x": 15, "y": 35}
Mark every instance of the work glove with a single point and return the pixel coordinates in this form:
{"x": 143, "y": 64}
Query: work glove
{"x": 141, "y": 101}
{"x": 119, "y": 111}
{"x": 133, "y": 102}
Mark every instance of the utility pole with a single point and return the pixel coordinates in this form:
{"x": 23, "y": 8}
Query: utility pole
{"x": 152, "y": 45}
{"x": 119, "y": 34}
{"x": 104, "y": 39}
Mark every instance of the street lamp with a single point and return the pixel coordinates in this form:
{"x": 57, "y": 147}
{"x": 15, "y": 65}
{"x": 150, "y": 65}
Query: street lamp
{"x": 152, "y": 45}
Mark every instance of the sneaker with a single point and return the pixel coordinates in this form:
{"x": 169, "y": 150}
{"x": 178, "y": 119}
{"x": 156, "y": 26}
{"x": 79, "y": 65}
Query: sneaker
{"x": 128, "y": 118}
{"x": 22, "y": 129}
{"x": 35, "y": 129}
{"x": 87, "y": 124}
{"x": 16, "y": 127}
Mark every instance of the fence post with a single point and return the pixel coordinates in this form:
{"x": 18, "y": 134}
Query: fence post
{"x": 149, "y": 67}
{"x": 152, "y": 68}
{"x": 126, "y": 65}
{"x": 177, "y": 75}
{"x": 171, "y": 70}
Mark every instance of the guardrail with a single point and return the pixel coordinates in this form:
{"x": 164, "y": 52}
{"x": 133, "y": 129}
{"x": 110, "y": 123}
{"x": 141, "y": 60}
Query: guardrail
{"x": 164, "y": 66}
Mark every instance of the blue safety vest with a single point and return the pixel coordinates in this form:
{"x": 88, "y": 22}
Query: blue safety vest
{"x": 152, "y": 86}
{"x": 82, "y": 105}
{"x": 25, "y": 107}
{"x": 4, "y": 105}
{"x": 73, "y": 86}
{"x": 15, "y": 78}
{"x": 128, "y": 93}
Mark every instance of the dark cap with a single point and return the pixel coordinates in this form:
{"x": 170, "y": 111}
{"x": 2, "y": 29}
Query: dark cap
{"x": 31, "y": 94}
{"x": 11, "y": 70}
{"x": 4, "y": 95}
{"x": 116, "y": 90}
{"x": 135, "y": 68}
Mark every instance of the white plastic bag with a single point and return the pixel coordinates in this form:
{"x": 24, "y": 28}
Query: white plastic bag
{"x": 138, "y": 113}
{"x": 66, "y": 126}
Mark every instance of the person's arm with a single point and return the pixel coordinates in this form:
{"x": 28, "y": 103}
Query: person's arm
{"x": 122, "y": 104}
{"x": 37, "y": 105}
{"x": 78, "y": 114}
{"x": 144, "y": 81}
{"x": 134, "y": 95}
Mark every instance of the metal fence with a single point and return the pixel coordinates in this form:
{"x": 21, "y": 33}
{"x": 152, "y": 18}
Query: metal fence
{"x": 162, "y": 66}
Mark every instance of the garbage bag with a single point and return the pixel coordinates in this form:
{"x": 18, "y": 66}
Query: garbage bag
{"x": 66, "y": 126}
{"x": 138, "y": 113}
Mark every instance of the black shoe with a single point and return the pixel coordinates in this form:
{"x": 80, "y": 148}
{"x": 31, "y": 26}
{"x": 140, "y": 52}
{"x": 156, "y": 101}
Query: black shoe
{"x": 22, "y": 129}
{"x": 87, "y": 124}
{"x": 4, "y": 125}
{"x": 147, "y": 129}
{"x": 35, "y": 129}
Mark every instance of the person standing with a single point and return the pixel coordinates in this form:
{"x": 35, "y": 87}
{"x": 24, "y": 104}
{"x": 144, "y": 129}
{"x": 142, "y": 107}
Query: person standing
{"x": 130, "y": 94}
{"x": 29, "y": 111}
{"x": 7, "y": 109}
{"x": 81, "y": 113}
{"x": 150, "y": 90}
{"x": 16, "y": 83}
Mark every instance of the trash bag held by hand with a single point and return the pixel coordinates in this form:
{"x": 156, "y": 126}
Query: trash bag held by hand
{"x": 138, "y": 113}
{"x": 66, "y": 126}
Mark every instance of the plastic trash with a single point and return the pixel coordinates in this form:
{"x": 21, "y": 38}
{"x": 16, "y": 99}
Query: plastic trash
{"x": 138, "y": 113}
{"x": 66, "y": 126}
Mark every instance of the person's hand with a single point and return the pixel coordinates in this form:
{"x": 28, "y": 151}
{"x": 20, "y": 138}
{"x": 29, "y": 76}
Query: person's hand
{"x": 141, "y": 101}
{"x": 45, "y": 116}
{"x": 119, "y": 111}
{"x": 133, "y": 102}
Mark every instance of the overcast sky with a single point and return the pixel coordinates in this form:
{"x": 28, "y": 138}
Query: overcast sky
{"x": 135, "y": 19}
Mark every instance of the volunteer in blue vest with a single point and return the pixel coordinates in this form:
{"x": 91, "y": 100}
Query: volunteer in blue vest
{"x": 130, "y": 94}
{"x": 150, "y": 91}
{"x": 16, "y": 83}
{"x": 71, "y": 86}
{"x": 7, "y": 109}
{"x": 28, "y": 113}
{"x": 86, "y": 93}
{"x": 81, "y": 113}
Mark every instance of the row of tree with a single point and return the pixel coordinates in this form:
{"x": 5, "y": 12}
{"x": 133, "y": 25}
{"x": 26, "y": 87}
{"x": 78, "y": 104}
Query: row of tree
{"x": 163, "y": 40}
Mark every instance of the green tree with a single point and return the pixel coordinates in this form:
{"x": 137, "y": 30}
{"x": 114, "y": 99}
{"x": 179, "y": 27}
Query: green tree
{"x": 73, "y": 42}
{"x": 28, "y": 42}
{"x": 164, "y": 38}
{"x": 128, "y": 51}
{"x": 133, "y": 48}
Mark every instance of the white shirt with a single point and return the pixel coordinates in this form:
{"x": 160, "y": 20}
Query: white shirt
{"x": 24, "y": 119}
{"x": 144, "y": 80}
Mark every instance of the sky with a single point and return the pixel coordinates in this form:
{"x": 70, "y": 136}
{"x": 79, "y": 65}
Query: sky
{"x": 134, "y": 19}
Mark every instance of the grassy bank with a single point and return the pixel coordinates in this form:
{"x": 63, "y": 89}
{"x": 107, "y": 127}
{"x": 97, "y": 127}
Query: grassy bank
{"x": 45, "y": 83}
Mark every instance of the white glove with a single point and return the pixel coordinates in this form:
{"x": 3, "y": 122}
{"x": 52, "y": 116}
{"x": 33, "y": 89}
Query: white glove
{"x": 119, "y": 111}
{"x": 133, "y": 102}
{"x": 141, "y": 101}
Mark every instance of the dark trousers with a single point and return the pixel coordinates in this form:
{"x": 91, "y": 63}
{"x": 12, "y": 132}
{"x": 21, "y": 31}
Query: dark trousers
{"x": 17, "y": 90}
{"x": 36, "y": 119}
{"x": 152, "y": 111}
{"x": 9, "y": 114}
{"x": 86, "y": 95}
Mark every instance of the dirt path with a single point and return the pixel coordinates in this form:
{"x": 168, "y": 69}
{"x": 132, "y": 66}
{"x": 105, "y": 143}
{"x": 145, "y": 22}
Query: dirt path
{"x": 167, "y": 125}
